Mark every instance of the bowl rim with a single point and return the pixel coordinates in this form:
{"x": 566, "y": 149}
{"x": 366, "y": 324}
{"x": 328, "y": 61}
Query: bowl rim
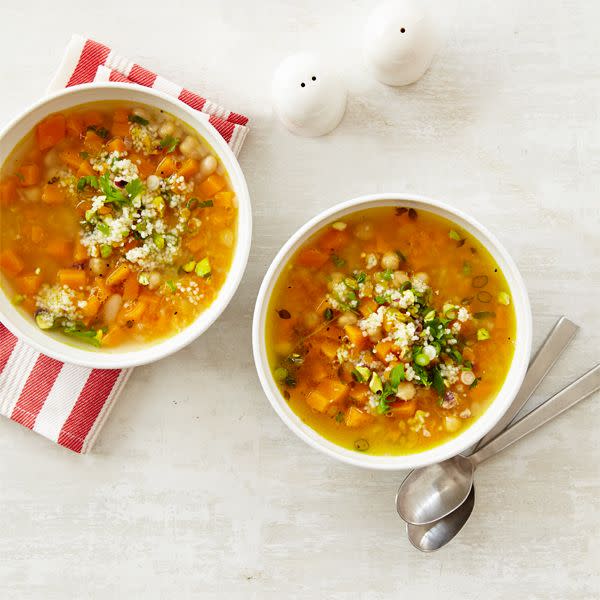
{"x": 497, "y": 407}
{"x": 148, "y": 353}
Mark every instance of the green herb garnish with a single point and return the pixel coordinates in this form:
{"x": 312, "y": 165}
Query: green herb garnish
{"x": 90, "y": 180}
{"x": 328, "y": 314}
{"x": 337, "y": 261}
{"x": 137, "y": 119}
{"x": 169, "y": 143}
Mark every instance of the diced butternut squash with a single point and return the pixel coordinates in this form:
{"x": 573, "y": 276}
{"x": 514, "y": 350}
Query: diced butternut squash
{"x": 118, "y": 275}
{"x": 8, "y": 191}
{"x": 382, "y": 349}
{"x": 195, "y": 244}
{"x": 367, "y": 307}
{"x": 360, "y": 392}
{"x": 329, "y": 349}
{"x": 114, "y": 336}
{"x": 211, "y": 185}
{"x": 74, "y": 278}
{"x": 29, "y": 284}
{"x": 100, "y": 289}
{"x": 93, "y": 118}
{"x": 116, "y": 145}
{"x": 92, "y": 141}
{"x": 312, "y": 258}
{"x": 29, "y": 175}
{"x": 53, "y": 193}
{"x": 334, "y": 390}
{"x": 91, "y": 308}
{"x": 60, "y": 250}
{"x": 403, "y": 408}
{"x": 356, "y": 417}
{"x": 74, "y": 126}
{"x": 189, "y": 168}
{"x": 11, "y": 263}
{"x": 50, "y": 131}
{"x": 167, "y": 166}
{"x": 131, "y": 288}
{"x": 120, "y": 125}
{"x": 333, "y": 240}
{"x": 355, "y": 335}
{"x": 37, "y": 234}
{"x": 85, "y": 169}
{"x": 71, "y": 158}
{"x": 317, "y": 400}
{"x": 224, "y": 199}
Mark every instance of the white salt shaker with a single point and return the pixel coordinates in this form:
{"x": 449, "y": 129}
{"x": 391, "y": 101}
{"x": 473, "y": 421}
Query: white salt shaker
{"x": 399, "y": 41}
{"x": 308, "y": 96}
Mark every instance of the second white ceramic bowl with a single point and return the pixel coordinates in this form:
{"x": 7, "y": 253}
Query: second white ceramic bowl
{"x": 54, "y": 345}
{"x": 498, "y": 406}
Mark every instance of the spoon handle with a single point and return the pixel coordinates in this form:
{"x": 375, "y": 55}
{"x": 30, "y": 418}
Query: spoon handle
{"x": 567, "y": 397}
{"x": 554, "y": 345}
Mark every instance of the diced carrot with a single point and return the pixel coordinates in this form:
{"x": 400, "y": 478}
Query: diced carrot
{"x": 403, "y": 408}
{"x": 91, "y": 308}
{"x": 131, "y": 288}
{"x": 382, "y": 349}
{"x": 355, "y": 335}
{"x": 8, "y": 191}
{"x": 368, "y": 306}
{"x": 92, "y": 141}
{"x": 211, "y": 185}
{"x": 74, "y": 278}
{"x": 29, "y": 175}
{"x": 50, "y": 131}
{"x": 80, "y": 253}
{"x": 311, "y": 257}
{"x": 71, "y": 158}
{"x": 189, "y": 168}
{"x": 11, "y": 263}
{"x": 85, "y": 169}
{"x": 356, "y": 417}
{"x": 28, "y": 284}
{"x": 53, "y": 194}
{"x": 333, "y": 240}
{"x": 60, "y": 249}
{"x": 118, "y": 275}
{"x": 333, "y": 390}
{"x": 92, "y": 117}
{"x": 116, "y": 145}
{"x": 195, "y": 244}
{"x": 166, "y": 167}
{"x": 37, "y": 234}
{"x": 134, "y": 312}
{"x": 74, "y": 126}
{"x": 120, "y": 125}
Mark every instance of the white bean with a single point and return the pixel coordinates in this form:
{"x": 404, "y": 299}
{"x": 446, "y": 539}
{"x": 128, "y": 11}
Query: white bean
{"x": 208, "y": 165}
{"x": 422, "y": 276}
{"x": 52, "y": 159}
{"x": 141, "y": 112}
{"x": 400, "y": 277}
{"x": 451, "y": 423}
{"x": 189, "y": 147}
{"x": 348, "y": 318}
{"x": 467, "y": 377}
{"x": 390, "y": 261}
{"x": 32, "y": 194}
{"x": 154, "y": 280}
{"x": 111, "y": 308}
{"x": 406, "y": 391}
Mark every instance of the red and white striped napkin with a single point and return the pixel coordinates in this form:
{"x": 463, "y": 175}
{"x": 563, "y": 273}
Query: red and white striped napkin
{"x": 66, "y": 403}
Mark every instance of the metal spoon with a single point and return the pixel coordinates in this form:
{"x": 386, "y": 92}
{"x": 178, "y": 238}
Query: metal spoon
{"x": 433, "y": 492}
{"x": 554, "y": 345}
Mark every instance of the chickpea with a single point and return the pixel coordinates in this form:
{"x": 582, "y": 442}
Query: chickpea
{"x": 390, "y": 261}
{"x": 98, "y": 266}
{"x": 32, "y": 194}
{"x": 348, "y": 318}
{"x": 400, "y": 277}
{"x": 364, "y": 231}
{"x": 152, "y": 183}
{"x": 406, "y": 391}
{"x": 167, "y": 128}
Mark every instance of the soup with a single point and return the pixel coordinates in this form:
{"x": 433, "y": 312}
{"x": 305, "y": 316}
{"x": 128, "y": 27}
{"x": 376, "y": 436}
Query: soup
{"x": 118, "y": 224}
{"x": 390, "y": 331}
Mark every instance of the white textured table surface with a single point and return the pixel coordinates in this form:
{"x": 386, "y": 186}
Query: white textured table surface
{"x": 195, "y": 487}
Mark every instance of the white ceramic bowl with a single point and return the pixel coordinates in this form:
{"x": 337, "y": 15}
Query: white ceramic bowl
{"x": 52, "y": 344}
{"x": 498, "y": 406}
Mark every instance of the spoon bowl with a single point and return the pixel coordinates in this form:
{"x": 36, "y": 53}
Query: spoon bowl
{"x": 432, "y": 537}
{"x": 448, "y": 484}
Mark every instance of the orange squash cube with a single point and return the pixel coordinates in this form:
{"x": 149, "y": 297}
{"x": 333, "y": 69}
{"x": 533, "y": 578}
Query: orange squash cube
{"x": 118, "y": 275}
{"x": 189, "y": 168}
{"x": 11, "y": 263}
{"x": 53, "y": 194}
{"x": 50, "y": 131}
{"x": 211, "y": 185}
{"x": 8, "y": 191}
{"x": 356, "y": 417}
{"x": 166, "y": 167}
{"x": 28, "y": 284}
{"x": 74, "y": 278}
{"x": 355, "y": 335}
{"x": 29, "y": 175}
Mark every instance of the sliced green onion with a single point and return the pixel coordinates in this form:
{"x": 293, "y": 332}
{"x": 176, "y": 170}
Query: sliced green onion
{"x": 422, "y": 359}
{"x": 483, "y": 334}
{"x": 504, "y": 298}
{"x": 375, "y": 384}
{"x": 203, "y": 268}
{"x": 105, "y": 250}
{"x": 189, "y": 266}
{"x": 454, "y": 235}
{"x": 280, "y": 373}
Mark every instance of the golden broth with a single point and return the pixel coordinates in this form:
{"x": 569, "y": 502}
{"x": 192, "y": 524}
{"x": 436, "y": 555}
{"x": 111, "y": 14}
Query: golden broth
{"x": 118, "y": 224}
{"x": 390, "y": 331}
